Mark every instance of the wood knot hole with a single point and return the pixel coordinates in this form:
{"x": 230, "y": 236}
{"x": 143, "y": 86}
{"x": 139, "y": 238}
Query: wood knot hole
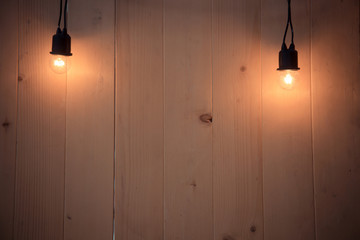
{"x": 252, "y": 229}
{"x": 243, "y": 68}
{"x": 228, "y": 238}
{"x": 5, "y": 124}
{"x": 206, "y": 118}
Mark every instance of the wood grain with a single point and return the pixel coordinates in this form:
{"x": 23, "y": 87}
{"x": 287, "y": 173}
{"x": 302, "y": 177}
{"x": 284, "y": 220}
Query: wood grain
{"x": 139, "y": 120}
{"x": 180, "y": 100}
{"x": 237, "y": 120}
{"x": 90, "y": 122}
{"x": 39, "y": 192}
{"x": 287, "y": 148}
{"x": 8, "y": 114}
{"x": 188, "y": 140}
{"x": 336, "y": 116}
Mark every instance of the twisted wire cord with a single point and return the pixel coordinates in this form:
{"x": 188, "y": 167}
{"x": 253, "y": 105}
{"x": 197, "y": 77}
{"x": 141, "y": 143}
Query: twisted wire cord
{"x": 65, "y": 13}
{"x": 287, "y": 25}
{"x": 60, "y": 14}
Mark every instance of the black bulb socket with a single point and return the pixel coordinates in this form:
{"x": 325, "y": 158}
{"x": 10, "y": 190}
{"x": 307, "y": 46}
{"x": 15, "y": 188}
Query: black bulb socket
{"x": 61, "y": 43}
{"x": 288, "y": 58}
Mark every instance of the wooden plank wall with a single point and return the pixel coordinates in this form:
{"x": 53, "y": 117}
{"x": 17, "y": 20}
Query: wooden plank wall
{"x": 139, "y": 120}
{"x": 8, "y": 113}
{"x": 286, "y": 120}
{"x": 237, "y": 141}
{"x": 89, "y": 175}
{"x": 172, "y": 124}
{"x": 336, "y": 117}
{"x": 188, "y": 141}
{"x": 39, "y": 181}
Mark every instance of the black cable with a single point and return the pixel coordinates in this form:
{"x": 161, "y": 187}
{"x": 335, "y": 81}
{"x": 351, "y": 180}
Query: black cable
{"x": 65, "y": 12}
{"x": 291, "y": 26}
{"x": 60, "y": 14}
{"x": 287, "y": 25}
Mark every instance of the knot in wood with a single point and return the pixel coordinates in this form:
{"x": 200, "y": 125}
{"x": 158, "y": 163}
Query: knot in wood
{"x": 206, "y": 118}
{"x": 228, "y": 237}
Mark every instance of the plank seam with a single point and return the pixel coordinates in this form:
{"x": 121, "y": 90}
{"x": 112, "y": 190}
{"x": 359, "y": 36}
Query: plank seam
{"x": 65, "y": 156}
{"x": 115, "y": 113}
{"x": 164, "y": 107}
{"x": 65, "y": 148}
{"x": 212, "y": 115}
{"x": 261, "y": 123}
{"x": 312, "y": 123}
{"x": 16, "y": 119}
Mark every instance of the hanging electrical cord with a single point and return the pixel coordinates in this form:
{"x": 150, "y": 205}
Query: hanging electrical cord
{"x": 65, "y": 13}
{"x": 288, "y": 57}
{"x": 287, "y": 25}
{"x": 60, "y": 14}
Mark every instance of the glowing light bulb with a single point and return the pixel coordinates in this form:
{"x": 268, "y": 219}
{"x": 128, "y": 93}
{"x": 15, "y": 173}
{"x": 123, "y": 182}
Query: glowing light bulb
{"x": 59, "y": 64}
{"x": 287, "y": 79}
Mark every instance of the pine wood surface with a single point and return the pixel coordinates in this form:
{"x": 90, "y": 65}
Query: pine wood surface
{"x": 171, "y": 123}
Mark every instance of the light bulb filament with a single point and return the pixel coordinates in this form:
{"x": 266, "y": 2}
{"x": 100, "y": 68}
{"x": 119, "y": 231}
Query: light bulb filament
{"x": 288, "y": 80}
{"x": 59, "y": 62}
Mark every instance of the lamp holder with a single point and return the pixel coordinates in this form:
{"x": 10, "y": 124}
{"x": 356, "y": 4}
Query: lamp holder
{"x": 61, "y": 43}
{"x": 288, "y": 58}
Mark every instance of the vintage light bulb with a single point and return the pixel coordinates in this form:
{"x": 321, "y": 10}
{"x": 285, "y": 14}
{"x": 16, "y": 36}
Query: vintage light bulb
{"x": 59, "y": 63}
{"x": 288, "y": 79}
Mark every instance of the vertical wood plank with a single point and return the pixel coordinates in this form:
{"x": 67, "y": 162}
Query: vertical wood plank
{"x": 139, "y": 120}
{"x": 90, "y": 121}
{"x": 336, "y": 117}
{"x": 237, "y": 120}
{"x": 188, "y": 141}
{"x": 8, "y": 109}
{"x": 287, "y": 148}
{"x": 39, "y": 192}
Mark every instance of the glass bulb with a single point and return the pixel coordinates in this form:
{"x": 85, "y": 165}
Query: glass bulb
{"x": 288, "y": 79}
{"x": 59, "y": 63}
